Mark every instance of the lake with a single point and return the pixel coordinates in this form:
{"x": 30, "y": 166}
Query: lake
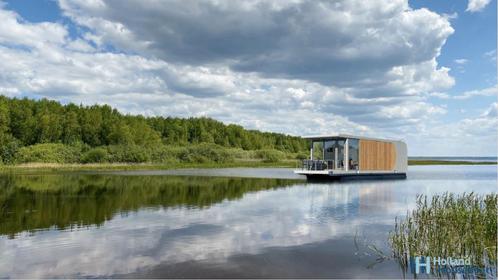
{"x": 234, "y": 222}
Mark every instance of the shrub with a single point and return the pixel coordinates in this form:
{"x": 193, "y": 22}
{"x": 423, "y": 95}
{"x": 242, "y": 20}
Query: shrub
{"x": 48, "y": 153}
{"x": 165, "y": 154}
{"x": 94, "y": 155}
{"x": 128, "y": 153}
{"x": 9, "y": 146}
{"x": 270, "y": 155}
{"x": 239, "y": 153}
{"x": 206, "y": 152}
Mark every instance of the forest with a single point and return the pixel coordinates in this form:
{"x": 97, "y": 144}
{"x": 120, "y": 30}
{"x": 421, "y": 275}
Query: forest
{"x": 50, "y": 132}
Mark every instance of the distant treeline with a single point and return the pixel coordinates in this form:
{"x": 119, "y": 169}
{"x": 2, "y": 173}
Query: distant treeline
{"x": 47, "y": 131}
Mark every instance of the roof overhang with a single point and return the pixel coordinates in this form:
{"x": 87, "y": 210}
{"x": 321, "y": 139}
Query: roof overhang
{"x": 344, "y": 136}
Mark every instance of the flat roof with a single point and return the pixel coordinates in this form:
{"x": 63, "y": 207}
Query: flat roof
{"x": 332, "y": 136}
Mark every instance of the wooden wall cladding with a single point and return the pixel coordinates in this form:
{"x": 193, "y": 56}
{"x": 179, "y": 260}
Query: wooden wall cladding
{"x": 377, "y": 155}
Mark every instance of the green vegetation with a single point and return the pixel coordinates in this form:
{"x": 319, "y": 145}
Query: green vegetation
{"x": 34, "y": 202}
{"x": 57, "y": 153}
{"x": 448, "y": 162}
{"x": 45, "y": 131}
{"x": 56, "y": 168}
{"x": 449, "y": 225}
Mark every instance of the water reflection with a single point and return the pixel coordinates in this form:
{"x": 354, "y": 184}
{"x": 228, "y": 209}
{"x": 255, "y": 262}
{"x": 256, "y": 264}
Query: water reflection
{"x": 170, "y": 226}
{"x": 74, "y": 200}
{"x": 376, "y": 198}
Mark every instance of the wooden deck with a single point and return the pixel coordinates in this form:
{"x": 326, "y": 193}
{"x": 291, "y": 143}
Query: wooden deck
{"x": 350, "y": 175}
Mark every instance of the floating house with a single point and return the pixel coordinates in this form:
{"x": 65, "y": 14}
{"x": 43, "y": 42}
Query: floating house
{"x": 354, "y": 157}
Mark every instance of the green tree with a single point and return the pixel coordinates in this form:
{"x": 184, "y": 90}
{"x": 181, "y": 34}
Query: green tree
{"x": 91, "y": 123}
{"x": 71, "y": 129}
{"x": 25, "y": 122}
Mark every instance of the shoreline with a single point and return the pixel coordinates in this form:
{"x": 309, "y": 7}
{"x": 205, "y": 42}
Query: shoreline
{"x": 53, "y": 167}
{"x": 449, "y": 162}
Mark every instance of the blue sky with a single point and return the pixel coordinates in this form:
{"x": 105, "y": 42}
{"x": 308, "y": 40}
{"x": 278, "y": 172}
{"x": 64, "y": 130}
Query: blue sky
{"x": 475, "y": 35}
{"x": 421, "y": 71}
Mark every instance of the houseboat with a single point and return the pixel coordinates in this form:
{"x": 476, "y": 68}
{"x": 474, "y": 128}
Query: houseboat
{"x": 337, "y": 157}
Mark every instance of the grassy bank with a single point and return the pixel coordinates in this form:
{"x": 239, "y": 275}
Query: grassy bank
{"x": 60, "y": 156}
{"x": 289, "y": 163}
{"x": 50, "y": 156}
{"x": 139, "y": 166}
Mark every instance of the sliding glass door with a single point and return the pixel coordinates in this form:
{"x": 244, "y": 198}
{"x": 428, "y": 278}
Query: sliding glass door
{"x": 334, "y": 153}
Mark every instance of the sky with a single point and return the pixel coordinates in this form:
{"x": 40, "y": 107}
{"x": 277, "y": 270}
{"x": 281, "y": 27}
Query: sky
{"x": 420, "y": 71}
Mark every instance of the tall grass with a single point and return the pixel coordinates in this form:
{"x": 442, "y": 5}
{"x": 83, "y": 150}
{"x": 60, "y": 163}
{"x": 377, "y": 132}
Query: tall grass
{"x": 449, "y": 226}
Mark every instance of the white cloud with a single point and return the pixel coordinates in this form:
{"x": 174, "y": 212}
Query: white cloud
{"x": 451, "y": 16}
{"x": 339, "y": 43}
{"x": 436, "y": 137}
{"x": 441, "y": 95}
{"x": 303, "y": 67}
{"x": 460, "y": 62}
{"x": 491, "y": 55}
{"x": 480, "y": 92}
{"x": 14, "y": 31}
{"x": 477, "y": 5}
{"x": 72, "y": 69}
{"x": 491, "y": 112}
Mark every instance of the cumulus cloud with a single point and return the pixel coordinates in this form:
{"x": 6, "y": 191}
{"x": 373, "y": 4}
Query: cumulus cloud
{"x": 436, "y": 137}
{"x": 15, "y": 31}
{"x": 477, "y": 5}
{"x": 333, "y": 43}
{"x": 261, "y": 64}
{"x": 298, "y": 67}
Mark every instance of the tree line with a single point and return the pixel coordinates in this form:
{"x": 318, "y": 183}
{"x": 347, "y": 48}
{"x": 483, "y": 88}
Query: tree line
{"x": 26, "y": 122}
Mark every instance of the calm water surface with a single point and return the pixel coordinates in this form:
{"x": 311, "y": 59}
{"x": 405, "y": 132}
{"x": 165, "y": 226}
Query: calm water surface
{"x": 210, "y": 223}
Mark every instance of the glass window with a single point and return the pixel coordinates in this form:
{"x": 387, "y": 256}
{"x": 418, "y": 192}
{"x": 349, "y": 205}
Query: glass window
{"x": 329, "y": 150}
{"x": 340, "y": 153}
{"x": 318, "y": 150}
{"x": 334, "y": 153}
{"x": 353, "y": 155}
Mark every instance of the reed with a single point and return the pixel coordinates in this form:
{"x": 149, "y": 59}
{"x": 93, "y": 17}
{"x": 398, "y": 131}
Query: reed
{"x": 448, "y": 225}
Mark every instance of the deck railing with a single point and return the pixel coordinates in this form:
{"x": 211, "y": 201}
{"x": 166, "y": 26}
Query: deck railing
{"x": 317, "y": 164}
{"x": 309, "y": 164}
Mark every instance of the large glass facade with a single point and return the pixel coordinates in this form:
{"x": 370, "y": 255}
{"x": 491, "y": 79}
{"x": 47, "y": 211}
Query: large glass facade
{"x": 318, "y": 150}
{"x": 331, "y": 152}
{"x": 353, "y": 154}
{"x": 339, "y": 145}
{"x": 334, "y": 153}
